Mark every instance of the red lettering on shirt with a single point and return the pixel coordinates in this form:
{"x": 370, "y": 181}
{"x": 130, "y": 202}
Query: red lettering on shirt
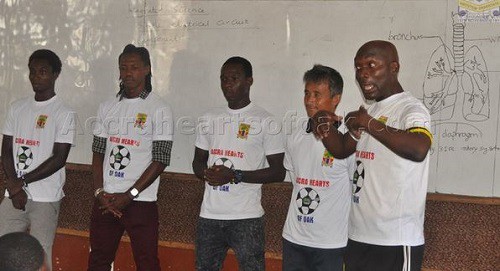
{"x": 124, "y": 141}
{"x": 365, "y": 155}
{"x": 216, "y": 152}
{"x": 227, "y": 153}
{"x": 319, "y": 183}
{"x": 28, "y": 142}
{"x": 301, "y": 181}
{"x": 233, "y": 153}
{"x": 31, "y": 142}
{"x": 130, "y": 142}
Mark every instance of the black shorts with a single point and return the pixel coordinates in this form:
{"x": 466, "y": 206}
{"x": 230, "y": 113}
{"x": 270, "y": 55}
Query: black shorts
{"x": 368, "y": 257}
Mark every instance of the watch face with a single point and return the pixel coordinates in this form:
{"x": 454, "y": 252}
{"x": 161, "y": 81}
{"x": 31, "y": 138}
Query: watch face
{"x": 134, "y": 192}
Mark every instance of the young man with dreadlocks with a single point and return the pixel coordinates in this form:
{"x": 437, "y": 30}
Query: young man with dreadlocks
{"x": 131, "y": 148}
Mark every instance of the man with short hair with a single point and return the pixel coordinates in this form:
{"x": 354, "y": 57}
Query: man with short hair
{"x": 235, "y": 153}
{"x": 315, "y": 231}
{"x": 37, "y": 137}
{"x": 20, "y": 251}
{"x": 391, "y": 140}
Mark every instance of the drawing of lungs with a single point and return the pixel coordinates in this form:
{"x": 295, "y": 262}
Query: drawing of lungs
{"x": 475, "y": 83}
{"x": 467, "y": 80}
{"x": 440, "y": 84}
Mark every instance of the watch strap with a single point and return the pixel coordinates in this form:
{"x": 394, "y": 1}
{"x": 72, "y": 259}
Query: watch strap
{"x": 133, "y": 193}
{"x": 238, "y": 176}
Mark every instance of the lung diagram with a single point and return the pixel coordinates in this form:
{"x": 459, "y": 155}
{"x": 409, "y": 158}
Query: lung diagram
{"x": 456, "y": 81}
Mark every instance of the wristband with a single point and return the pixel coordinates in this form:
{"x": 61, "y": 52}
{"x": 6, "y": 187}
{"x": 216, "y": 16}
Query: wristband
{"x": 353, "y": 137}
{"x": 238, "y": 176}
{"x": 98, "y": 191}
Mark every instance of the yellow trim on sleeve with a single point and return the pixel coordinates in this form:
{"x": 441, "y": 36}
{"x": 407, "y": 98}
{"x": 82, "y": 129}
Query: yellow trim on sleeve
{"x": 423, "y": 131}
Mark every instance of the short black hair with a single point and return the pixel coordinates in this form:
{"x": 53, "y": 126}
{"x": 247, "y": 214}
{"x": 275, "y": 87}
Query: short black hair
{"x": 247, "y": 67}
{"x": 48, "y": 55}
{"x": 320, "y": 73}
{"x": 143, "y": 53}
{"x": 20, "y": 251}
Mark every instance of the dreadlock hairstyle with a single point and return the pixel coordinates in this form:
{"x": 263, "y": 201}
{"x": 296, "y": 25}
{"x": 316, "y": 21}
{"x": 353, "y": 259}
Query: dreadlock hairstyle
{"x": 144, "y": 55}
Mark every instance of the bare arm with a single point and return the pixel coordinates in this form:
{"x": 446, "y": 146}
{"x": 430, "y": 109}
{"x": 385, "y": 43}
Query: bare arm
{"x": 97, "y": 169}
{"x": 55, "y": 162}
{"x": 220, "y": 175}
{"x": 409, "y": 145}
{"x": 339, "y": 145}
{"x": 149, "y": 175}
{"x": 274, "y": 173}
{"x": 15, "y": 185}
{"x": 8, "y": 165}
{"x": 200, "y": 162}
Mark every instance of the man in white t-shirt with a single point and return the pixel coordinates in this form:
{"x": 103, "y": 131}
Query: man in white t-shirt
{"x": 37, "y": 137}
{"x": 236, "y": 151}
{"x": 315, "y": 231}
{"x": 391, "y": 140}
{"x": 131, "y": 148}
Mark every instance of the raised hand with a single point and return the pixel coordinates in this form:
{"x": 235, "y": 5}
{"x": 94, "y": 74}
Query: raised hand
{"x": 323, "y": 122}
{"x": 357, "y": 121}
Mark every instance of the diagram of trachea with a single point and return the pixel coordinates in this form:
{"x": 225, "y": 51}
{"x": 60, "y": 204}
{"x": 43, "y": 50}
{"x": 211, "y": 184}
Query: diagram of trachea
{"x": 463, "y": 88}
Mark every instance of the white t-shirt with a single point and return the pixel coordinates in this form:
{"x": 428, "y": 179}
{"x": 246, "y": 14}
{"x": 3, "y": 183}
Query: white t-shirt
{"x": 130, "y": 127}
{"x": 239, "y": 139}
{"x": 35, "y": 127}
{"x": 319, "y": 206}
{"x": 389, "y": 200}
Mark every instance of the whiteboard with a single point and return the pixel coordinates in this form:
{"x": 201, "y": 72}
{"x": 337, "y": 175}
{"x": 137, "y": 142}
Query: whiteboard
{"x": 189, "y": 41}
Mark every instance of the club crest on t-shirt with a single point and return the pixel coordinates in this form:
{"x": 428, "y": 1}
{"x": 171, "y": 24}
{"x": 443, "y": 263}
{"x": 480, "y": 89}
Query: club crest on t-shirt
{"x": 327, "y": 160}
{"x": 40, "y": 122}
{"x": 140, "y": 120}
{"x": 243, "y": 131}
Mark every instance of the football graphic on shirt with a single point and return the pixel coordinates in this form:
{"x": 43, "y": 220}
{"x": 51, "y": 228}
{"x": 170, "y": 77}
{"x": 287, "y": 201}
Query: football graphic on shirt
{"x": 119, "y": 157}
{"x": 359, "y": 177}
{"x": 307, "y": 200}
{"x": 24, "y": 158}
{"x": 224, "y": 162}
